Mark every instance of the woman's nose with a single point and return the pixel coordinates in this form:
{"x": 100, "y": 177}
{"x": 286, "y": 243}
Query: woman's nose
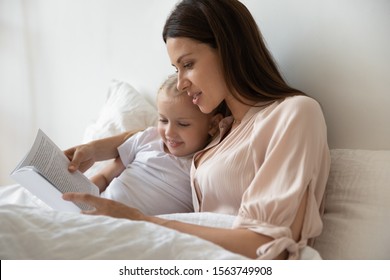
{"x": 182, "y": 83}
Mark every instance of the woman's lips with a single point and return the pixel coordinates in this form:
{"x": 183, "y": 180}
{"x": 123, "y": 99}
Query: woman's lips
{"x": 195, "y": 98}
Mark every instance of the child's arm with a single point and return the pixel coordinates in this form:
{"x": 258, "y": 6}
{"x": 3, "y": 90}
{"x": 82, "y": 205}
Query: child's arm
{"x": 107, "y": 174}
{"x": 84, "y": 156}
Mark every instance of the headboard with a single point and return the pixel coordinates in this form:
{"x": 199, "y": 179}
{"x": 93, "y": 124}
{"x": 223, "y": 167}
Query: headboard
{"x": 68, "y": 51}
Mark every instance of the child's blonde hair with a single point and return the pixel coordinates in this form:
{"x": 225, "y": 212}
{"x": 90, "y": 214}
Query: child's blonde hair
{"x": 170, "y": 86}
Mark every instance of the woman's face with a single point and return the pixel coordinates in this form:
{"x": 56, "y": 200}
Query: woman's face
{"x": 199, "y": 72}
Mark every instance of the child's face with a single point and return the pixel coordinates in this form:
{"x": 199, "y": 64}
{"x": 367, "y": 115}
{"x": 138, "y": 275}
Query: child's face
{"x": 183, "y": 128}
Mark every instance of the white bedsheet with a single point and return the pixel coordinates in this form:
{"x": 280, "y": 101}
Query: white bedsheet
{"x": 30, "y": 230}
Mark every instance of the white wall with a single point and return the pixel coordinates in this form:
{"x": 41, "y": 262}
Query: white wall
{"x": 57, "y": 58}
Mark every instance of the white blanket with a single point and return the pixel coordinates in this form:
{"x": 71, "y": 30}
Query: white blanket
{"x": 30, "y": 230}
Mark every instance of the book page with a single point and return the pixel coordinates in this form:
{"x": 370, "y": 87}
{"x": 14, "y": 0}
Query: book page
{"x": 50, "y": 162}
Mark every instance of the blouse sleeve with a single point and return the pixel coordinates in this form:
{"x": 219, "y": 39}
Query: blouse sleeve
{"x": 293, "y": 159}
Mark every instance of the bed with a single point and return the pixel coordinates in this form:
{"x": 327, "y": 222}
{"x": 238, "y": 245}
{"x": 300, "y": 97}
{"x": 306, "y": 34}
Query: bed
{"x": 356, "y": 217}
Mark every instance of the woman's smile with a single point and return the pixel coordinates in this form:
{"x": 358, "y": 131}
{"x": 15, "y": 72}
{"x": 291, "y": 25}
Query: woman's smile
{"x": 195, "y": 98}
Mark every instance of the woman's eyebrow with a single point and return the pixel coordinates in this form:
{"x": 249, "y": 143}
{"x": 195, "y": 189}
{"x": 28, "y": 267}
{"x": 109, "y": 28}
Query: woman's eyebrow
{"x": 181, "y": 57}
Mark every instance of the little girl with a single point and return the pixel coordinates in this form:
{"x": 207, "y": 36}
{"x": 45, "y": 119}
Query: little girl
{"x": 152, "y": 172}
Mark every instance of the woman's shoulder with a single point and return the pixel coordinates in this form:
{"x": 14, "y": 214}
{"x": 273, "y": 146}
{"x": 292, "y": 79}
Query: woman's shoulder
{"x": 289, "y": 106}
{"x": 300, "y": 102}
{"x": 299, "y": 105}
{"x": 301, "y": 111}
{"x": 298, "y": 109}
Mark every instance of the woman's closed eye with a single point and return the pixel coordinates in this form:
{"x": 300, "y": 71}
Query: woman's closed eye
{"x": 188, "y": 65}
{"x": 164, "y": 121}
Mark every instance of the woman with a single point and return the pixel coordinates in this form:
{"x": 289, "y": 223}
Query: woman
{"x": 269, "y": 165}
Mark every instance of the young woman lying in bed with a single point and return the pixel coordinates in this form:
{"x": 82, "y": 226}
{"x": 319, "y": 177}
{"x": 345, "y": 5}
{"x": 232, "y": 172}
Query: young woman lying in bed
{"x": 270, "y": 163}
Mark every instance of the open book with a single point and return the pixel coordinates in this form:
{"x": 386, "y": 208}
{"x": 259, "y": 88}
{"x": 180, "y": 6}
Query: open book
{"x": 44, "y": 172}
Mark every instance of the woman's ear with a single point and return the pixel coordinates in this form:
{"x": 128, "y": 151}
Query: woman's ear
{"x": 214, "y": 124}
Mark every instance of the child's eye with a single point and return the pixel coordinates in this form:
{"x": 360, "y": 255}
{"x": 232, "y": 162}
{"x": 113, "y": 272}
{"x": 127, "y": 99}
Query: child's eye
{"x": 163, "y": 121}
{"x": 184, "y": 124}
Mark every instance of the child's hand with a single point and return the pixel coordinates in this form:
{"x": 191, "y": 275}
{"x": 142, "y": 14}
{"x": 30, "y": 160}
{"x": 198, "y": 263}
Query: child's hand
{"x": 81, "y": 157}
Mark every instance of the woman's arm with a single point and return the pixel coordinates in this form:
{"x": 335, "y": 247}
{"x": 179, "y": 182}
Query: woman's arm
{"x": 84, "y": 156}
{"x": 241, "y": 241}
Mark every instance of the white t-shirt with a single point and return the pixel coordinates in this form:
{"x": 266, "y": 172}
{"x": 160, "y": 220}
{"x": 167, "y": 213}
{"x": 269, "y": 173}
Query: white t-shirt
{"x": 154, "y": 181}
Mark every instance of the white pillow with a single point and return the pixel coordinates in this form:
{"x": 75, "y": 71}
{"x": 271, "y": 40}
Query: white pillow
{"x": 125, "y": 109}
{"x": 357, "y": 206}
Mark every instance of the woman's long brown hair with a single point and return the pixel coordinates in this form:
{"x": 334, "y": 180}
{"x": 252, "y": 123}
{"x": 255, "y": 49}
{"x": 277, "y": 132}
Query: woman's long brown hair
{"x": 229, "y": 27}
